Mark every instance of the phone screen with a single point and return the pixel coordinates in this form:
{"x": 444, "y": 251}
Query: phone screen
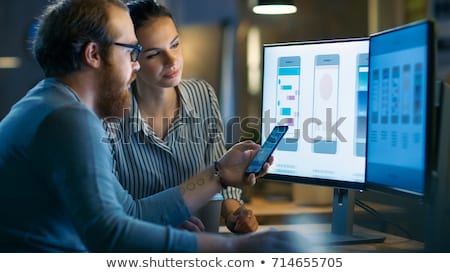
{"x": 384, "y": 110}
{"x": 326, "y": 83}
{"x": 288, "y": 93}
{"x": 361, "y": 103}
{"x": 405, "y": 93}
{"x": 267, "y": 149}
{"x": 375, "y": 93}
{"x": 395, "y": 95}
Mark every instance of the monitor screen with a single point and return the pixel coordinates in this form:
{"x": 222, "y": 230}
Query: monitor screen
{"x": 318, "y": 89}
{"x": 400, "y": 101}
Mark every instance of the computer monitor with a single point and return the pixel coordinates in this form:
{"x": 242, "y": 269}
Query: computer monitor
{"x": 319, "y": 89}
{"x": 400, "y": 110}
{"x": 408, "y": 135}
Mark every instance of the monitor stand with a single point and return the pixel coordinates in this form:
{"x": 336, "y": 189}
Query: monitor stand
{"x": 342, "y": 223}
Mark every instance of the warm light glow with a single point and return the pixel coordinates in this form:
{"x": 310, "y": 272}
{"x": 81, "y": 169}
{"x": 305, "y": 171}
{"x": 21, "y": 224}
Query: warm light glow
{"x": 9, "y": 62}
{"x": 274, "y": 9}
{"x": 254, "y": 61}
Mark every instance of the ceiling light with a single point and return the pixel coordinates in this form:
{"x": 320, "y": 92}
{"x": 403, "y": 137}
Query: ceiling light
{"x": 275, "y": 7}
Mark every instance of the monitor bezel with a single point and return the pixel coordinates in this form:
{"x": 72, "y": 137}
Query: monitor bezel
{"x": 297, "y": 179}
{"x": 430, "y": 113}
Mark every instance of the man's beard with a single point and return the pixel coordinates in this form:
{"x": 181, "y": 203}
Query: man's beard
{"x": 114, "y": 98}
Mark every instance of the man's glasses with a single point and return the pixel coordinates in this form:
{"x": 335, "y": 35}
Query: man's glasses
{"x": 136, "y": 50}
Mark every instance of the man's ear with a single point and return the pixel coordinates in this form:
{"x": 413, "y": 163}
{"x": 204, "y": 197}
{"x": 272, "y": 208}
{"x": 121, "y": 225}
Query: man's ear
{"x": 91, "y": 55}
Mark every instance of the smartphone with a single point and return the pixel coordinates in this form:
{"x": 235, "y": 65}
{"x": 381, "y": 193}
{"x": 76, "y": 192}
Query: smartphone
{"x": 325, "y": 105}
{"x": 267, "y": 149}
{"x": 288, "y": 93}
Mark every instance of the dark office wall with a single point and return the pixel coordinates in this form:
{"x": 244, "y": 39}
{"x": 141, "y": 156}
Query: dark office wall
{"x": 194, "y": 12}
{"x": 315, "y": 20}
{"x": 16, "y": 18}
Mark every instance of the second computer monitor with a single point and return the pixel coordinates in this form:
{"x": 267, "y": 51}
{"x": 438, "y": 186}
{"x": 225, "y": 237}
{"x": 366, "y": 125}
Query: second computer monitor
{"x": 401, "y": 97}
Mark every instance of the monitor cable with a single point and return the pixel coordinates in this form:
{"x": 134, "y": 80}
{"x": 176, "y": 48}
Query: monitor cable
{"x": 375, "y": 213}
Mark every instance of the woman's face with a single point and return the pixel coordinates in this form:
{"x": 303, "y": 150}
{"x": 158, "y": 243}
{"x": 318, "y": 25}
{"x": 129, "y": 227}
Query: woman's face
{"x": 161, "y": 59}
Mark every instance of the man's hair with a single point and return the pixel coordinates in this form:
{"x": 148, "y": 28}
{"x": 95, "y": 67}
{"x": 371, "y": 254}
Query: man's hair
{"x": 65, "y": 28}
{"x": 145, "y": 10}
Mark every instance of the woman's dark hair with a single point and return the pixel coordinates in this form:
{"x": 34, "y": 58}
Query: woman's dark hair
{"x": 65, "y": 28}
{"x": 145, "y": 10}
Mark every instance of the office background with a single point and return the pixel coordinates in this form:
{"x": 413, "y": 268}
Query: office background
{"x": 222, "y": 43}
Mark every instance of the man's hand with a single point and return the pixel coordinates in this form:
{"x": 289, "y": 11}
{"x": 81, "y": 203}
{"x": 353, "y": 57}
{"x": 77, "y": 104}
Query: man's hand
{"x": 233, "y": 164}
{"x": 272, "y": 241}
{"x": 193, "y": 224}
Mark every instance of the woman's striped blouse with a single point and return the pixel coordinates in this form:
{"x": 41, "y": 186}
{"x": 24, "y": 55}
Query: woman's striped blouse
{"x": 146, "y": 164}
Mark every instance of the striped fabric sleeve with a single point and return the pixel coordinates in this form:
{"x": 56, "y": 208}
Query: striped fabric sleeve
{"x": 217, "y": 145}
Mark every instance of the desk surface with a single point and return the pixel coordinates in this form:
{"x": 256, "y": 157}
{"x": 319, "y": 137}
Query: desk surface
{"x": 392, "y": 243}
{"x": 314, "y": 220}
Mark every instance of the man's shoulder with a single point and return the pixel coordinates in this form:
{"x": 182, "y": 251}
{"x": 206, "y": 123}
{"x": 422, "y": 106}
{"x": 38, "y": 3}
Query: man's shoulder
{"x": 49, "y": 94}
{"x": 41, "y": 107}
{"x": 49, "y": 97}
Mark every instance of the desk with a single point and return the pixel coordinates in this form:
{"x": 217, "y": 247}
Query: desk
{"x": 286, "y": 215}
{"x": 392, "y": 243}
